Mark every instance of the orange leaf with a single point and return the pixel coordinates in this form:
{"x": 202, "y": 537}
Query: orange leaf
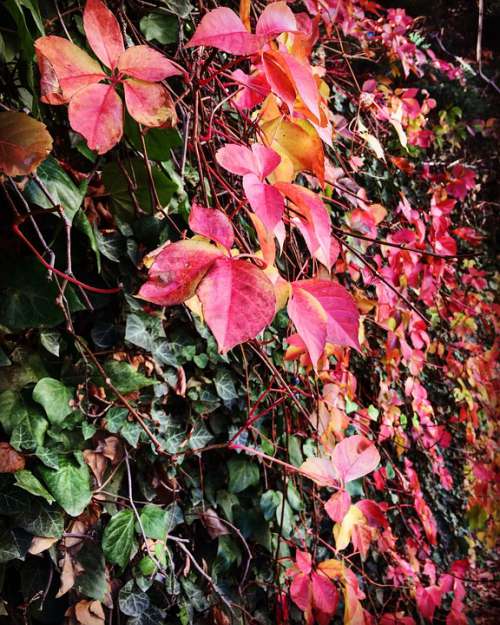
{"x": 149, "y": 103}
{"x": 73, "y": 68}
{"x": 24, "y": 143}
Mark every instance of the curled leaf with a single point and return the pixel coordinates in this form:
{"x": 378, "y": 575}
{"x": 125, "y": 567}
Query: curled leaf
{"x": 24, "y": 143}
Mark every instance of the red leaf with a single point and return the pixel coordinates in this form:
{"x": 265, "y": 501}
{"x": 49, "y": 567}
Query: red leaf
{"x": 373, "y": 512}
{"x": 342, "y": 313}
{"x": 211, "y": 223}
{"x": 103, "y": 32}
{"x": 275, "y": 19}
{"x": 145, "y": 63}
{"x": 149, "y": 103}
{"x": 310, "y": 319}
{"x": 300, "y": 591}
{"x": 305, "y": 84}
{"x": 278, "y": 77}
{"x": 65, "y": 68}
{"x": 266, "y": 201}
{"x": 224, "y": 30}
{"x": 354, "y": 457}
{"x": 177, "y": 270}
{"x": 338, "y": 505}
{"x": 238, "y": 301}
{"x": 24, "y": 143}
{"x": 312, "y": 220}
{"x": 303, "y": 561}
{"x": 324, "y": 594}
{"x": 96, "y": 112}
{"x": 428, "y": 599}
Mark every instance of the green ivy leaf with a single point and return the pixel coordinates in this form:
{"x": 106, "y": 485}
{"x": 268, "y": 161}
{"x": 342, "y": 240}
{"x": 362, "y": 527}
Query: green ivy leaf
{"x": 55, "y": 398}
{"x": 224, "y": 385}
{"x": 125, "y": 378}
{"x": 14, "y": 544}
{"x": 118, "y": 538}
{"x": 242, "y": 474}
{"x": 162, "y": 28}
{"x": 59, "y": 185}
{"x": 28, "y": 482}
{"x": 70, "y": 485}
{"x": 92, "y": 581}
{"x": 132, "y": 602}
{"x": 154, "y": 521}
{"x": 41, "y": 520}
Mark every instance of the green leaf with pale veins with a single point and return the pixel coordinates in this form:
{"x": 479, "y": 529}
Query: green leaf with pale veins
{"x": 70, "y": 485}
{"x": 118, "y": 538}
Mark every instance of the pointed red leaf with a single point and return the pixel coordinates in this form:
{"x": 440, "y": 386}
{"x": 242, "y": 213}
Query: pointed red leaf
{"x": 340, "y": 308}
{"x": 311, "y": 321}
{"x": 224, "y": 30}
{"x": 304, "y": 82}
{"x": 149, "y": 103}
{"x": 177, "y": 270}
{"x": 355, "y": 457}
{"x": 312, "y": 219}
{"x": 211, "y": 223}
{"x": 238, "y": 301}
{"x": 278, "y": 77}
{"x": 300, "y": 591}
{"x": 96, "y": 112}
{"x": 275, "y": 19}
{"x": 338, "y": 505}
{"x": 103, "y": 32}
{"x": 145, "y": 63}
{"x": 266, "y": 202}
{"x": 324, "y": 594}
{"x": 65, "y": 68}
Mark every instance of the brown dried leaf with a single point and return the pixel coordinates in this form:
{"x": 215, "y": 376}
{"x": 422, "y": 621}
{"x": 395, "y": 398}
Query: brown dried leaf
{"x": 41, "y": 543}
{"x": 10, "y": 460}
{"x": 89, "y": 613}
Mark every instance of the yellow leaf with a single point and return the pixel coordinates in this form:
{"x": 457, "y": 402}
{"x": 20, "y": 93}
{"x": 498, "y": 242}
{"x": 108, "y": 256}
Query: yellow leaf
{"x": 343, "y": 531}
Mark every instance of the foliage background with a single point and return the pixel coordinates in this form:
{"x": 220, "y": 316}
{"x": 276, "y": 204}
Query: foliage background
{"x": 94, "y": 492}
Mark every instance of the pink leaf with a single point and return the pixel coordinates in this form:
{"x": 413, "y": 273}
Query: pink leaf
{"x": 96, "y": 112}
{"x": 211, "y": 223}
{"x": 266, "y": 202}
{"x": 238, "y": 159}
{"x": 177, "y": 270}
{"x": 103, "y": 32}
{"x": 312, "y": 220}
{"x": 303, "y": 561}
{"x": 428, "y": 599}
{"x": 253, "y": 89}
{"x": 311, "y": 321}
{"x": 145, "y": 63}
{"x": 324, "y": 594}
{"x": 275, "y": 19}
{"x": 300, "y": 591}
{"x": 149, "y": 103}
{"x": 304, "y": 82}
{"x": 224, "y": 30}
{"x": 65, "y": 68}
{"x": 320, "y": 470}
{"x": 340, "y": 308}
{"x": 241, "y": 160}
{"x": 338, "y": 505}
{"x": 355, "y": 457}
{"x": 238, "y": 301}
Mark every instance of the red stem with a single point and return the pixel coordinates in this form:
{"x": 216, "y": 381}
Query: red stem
{"x": 58, "y": 272}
